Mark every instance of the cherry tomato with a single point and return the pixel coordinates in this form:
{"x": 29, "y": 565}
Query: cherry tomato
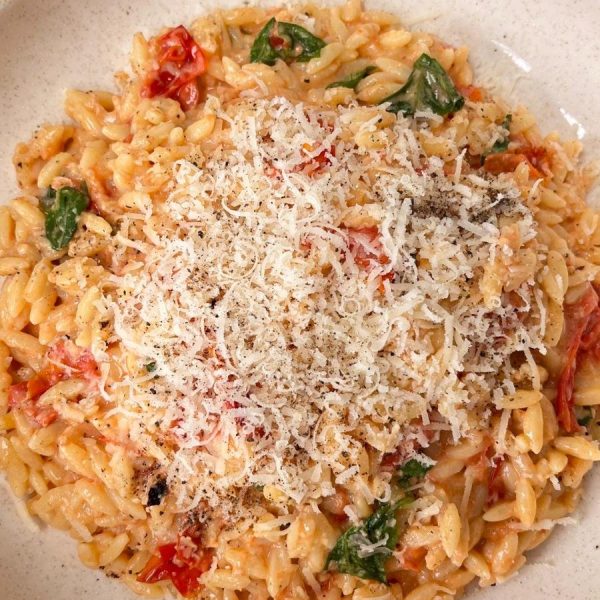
{"x": 174, "y": 562}
{"x": 181, "y": 61}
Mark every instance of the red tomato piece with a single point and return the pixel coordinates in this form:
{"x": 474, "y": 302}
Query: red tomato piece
{"x": 590, "y": 340}
{"x": 323, "y": 159}
{"x": 277, "y": 42}
{"x": 503, "y": 162}
{"x": 70, "y": 357}
{"x": 316, "y": 164}
{"x": 537, "y": 157}
{"x": 366, "y": 248}
{"x": 181, "y": 61}
{"x": 176, "y": 562}
{"x": 25, "y": 395}
{"x": 473, "y": 93}
{"x": 507, "y": 162}
{"x": 412, "y": 558}
{"x": 580, "y": 333}
{"x": 17, "y": 394}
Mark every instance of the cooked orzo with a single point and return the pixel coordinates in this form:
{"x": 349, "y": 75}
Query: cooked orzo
{"x": 300, "y": 312}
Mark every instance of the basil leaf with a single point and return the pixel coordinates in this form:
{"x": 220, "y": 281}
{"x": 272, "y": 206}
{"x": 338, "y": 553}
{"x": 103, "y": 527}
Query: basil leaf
{"x": 286, "y": 41}
{"x": 411, "y": 470}
{"x": 353, "y": 79}
{"x": 381, "y": 527}
{"x": 151, "y": 367}
{"x": 62, "y": 214}
{"x": 428, "y": 87}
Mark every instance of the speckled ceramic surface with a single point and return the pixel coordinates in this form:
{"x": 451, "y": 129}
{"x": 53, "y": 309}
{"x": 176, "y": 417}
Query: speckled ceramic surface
{"x": 546, "y": 55}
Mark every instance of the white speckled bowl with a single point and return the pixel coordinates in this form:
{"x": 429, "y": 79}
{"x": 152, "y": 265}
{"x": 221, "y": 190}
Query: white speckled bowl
{"x": 545, "y": 55}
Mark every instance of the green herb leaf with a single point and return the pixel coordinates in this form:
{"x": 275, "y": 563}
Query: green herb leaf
{"x": 286, "y": 41}
{"x": 410, "y": 471}
{"x": 381, "y": 528}
{"x": 151, "y": 367}
{"x": 62, "y": 213}
{"x": 428, "y": 87}
{"x": 353, "y": 79}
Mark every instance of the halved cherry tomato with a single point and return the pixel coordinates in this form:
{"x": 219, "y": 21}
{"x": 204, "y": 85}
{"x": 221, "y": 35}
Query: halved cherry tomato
{"x": 181, "y": 61}
{"x": 175, "y": 562}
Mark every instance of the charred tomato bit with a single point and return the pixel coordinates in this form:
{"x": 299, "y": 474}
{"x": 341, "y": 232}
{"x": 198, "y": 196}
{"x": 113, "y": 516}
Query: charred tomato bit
{"x": 157, "y": 492}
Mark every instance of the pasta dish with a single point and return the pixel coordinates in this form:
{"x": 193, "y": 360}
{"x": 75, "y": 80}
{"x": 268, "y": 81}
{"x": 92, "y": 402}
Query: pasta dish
{"x": 300, "y": 312}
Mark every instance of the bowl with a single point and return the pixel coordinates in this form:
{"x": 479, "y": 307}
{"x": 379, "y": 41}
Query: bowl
{"x": 528, "y": 53}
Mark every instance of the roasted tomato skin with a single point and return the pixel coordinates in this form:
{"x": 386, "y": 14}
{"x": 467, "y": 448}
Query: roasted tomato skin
{"x": 172, "y": 562}
{"x": 581, "y": 335}
{"x": 180, "y": 63}
{"x": 64, "y": 362}
{"x": 506, "y": 162}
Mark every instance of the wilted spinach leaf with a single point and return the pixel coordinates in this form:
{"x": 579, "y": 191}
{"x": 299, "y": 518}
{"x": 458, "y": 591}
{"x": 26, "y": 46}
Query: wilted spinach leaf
{"x": 287, "y": 41}
{"x": 363, "y": 550}
{"x": 62, "y": 209}
{"x": 411, "y": 471}
{"x": 352, "y": 80}
{"x": 428, "y": 87}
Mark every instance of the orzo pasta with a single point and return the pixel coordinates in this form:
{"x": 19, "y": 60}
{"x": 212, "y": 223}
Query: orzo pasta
{"x": 300, "y": 312}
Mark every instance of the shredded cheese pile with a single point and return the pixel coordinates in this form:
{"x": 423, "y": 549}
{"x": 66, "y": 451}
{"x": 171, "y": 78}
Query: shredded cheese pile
{"x": 307, "y": 298}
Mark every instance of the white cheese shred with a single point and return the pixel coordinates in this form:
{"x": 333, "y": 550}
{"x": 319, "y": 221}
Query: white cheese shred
{"x": 280, "y": 338}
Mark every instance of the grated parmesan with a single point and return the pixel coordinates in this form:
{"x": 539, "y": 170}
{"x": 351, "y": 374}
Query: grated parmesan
{"x": 275, "y": 347}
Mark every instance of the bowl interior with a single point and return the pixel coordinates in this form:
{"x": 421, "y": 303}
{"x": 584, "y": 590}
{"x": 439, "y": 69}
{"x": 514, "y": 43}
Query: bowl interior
{"x": 546, "y": 59}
